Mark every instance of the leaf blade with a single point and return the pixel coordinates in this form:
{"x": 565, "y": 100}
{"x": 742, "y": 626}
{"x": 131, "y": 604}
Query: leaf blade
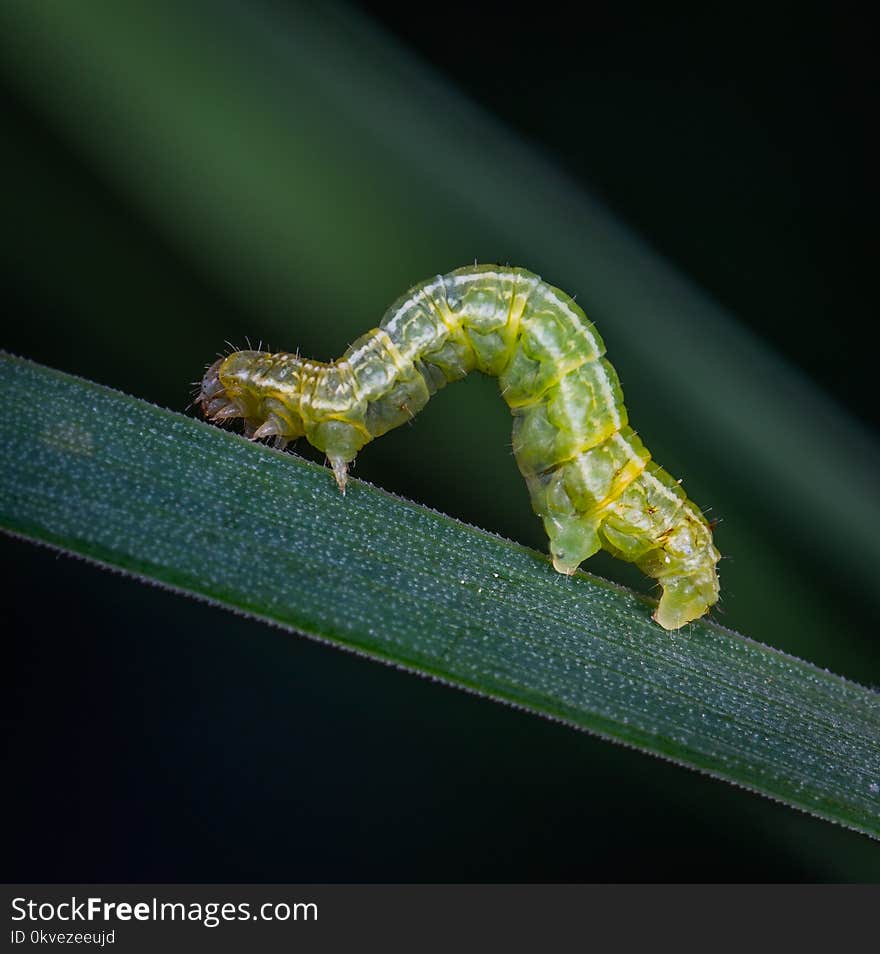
{"x": 172, "y": 500}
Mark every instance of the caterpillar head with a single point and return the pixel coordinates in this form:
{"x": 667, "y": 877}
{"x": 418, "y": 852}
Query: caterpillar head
{"x": 212, "y": 395}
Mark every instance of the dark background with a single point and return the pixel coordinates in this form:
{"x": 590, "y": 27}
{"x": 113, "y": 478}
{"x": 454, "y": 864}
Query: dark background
{"x": 736, "y": 139}
{"x": 153, "y": 738}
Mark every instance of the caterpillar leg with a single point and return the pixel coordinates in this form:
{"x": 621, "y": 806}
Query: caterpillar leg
{"x": 654, "y": 525}
{"x": 340, "y": 471}
{"x": 686, "y": 597}
{"x": 573, "y": 539}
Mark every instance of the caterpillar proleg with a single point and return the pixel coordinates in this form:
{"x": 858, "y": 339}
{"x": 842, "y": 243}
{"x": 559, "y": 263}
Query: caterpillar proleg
{"x": 590, "y": 478}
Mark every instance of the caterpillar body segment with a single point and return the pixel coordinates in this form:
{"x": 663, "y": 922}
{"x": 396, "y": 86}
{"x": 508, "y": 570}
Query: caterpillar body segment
{"x": 590, "y": 478}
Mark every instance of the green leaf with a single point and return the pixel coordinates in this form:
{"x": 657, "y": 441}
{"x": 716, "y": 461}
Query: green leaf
{"x": 174, "y": 501}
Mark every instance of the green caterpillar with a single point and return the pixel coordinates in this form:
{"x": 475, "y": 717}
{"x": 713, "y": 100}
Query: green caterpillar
{"x": 590, "y": 478}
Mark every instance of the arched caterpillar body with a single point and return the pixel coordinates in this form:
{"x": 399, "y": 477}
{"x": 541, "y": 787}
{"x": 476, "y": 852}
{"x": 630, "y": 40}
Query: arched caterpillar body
{"x": 590, "y": 478}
